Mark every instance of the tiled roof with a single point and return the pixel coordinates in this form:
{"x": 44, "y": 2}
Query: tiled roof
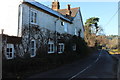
{"x": 47, "y": 9}
{"x": 73, "y": 10}
{"x": 12, "y": 39}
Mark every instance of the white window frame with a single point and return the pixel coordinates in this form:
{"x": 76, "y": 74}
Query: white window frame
{"x": 33, "y": 19}
{"x": 60, "y": 47}
{"x": 8, "y": 51}
{"x": 33, "y": 53}
{"x": 74, "y": 47}
{"x": 51, "y": 47}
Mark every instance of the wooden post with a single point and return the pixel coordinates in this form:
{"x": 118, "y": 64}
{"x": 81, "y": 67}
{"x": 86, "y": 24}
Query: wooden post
{"x": 1, "y": 53}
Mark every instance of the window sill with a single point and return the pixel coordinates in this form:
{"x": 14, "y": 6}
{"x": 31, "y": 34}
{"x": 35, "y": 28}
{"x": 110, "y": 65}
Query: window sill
{"x": 50, "y": 52}
{"x": 60, "y": 52}
{"x": 10, "y": 58}
{"x": 32, "y": 56}
{"x": 33, "y": 23}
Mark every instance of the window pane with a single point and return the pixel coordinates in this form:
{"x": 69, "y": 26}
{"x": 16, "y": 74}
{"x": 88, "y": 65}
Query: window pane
{"x": 58, "y": 48}
{"x": 74, "y": 47}
{"x": 7, "y": 49}
{"x": 31, "y": 16}
{"x": 62, "y": 23}
{"x": 10, "y": 49}
{"x": 35, "y": 17}
{"x": 32, "y": 44}
{"x": 48, "y": 47}
{"x": 7, "y": 53}
{"x": 62, "y": 48}
{"x": 10, "y": 55}
{"x": 32, "y": 51}
{"x": 52, "y": 47}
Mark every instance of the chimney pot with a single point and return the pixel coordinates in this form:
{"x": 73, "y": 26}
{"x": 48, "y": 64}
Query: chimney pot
{"x": 55, "y": 5}
{"x": 68, "y": 6}
{"x": 68, "y": 10}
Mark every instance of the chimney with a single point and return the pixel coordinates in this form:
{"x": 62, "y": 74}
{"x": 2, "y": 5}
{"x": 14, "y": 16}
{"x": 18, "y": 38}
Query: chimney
{"x": 68, "y": 10}
{"x": 68, "y": 6}
{"x": 55, "y": 5}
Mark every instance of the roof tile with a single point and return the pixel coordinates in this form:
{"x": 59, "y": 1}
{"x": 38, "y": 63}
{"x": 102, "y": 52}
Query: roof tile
{"x": 73, "y": 10}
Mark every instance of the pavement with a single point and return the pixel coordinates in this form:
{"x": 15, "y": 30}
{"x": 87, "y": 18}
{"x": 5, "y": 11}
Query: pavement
{"x": 117, "y": 56}
{"x": 98, "y": 65}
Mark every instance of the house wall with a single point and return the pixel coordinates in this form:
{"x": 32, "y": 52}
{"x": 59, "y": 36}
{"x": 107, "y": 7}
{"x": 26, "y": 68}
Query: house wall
{"x": 11, "y": 42}
{"x": 77, "y": 23}
{"x": 44, "y": 29}
{"x": 4, "y": 47}
{"x": 45, "y": 20}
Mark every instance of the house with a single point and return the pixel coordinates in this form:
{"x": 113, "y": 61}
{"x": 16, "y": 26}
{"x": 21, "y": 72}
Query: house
{"x": 42, "y": 29}
{"x": 10, "y": 46}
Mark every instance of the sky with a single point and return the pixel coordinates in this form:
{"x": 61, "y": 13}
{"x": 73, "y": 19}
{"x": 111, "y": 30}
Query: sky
{"x": 104, "y": 10}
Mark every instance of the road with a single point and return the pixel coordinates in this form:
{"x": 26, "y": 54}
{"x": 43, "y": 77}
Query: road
{"x": 118, "y": 68}
{"x": 98, "y": 65}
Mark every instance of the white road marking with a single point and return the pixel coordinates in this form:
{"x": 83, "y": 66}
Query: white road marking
{"x": 86, "y": 67}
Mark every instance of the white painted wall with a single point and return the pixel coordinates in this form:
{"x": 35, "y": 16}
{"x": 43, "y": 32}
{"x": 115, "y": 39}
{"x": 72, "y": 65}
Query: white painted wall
{"x": 47, "y": 21}
{"x": 43, "y": 19}
{"x": 77, "y": 23}
{"x": 9, "y": 15}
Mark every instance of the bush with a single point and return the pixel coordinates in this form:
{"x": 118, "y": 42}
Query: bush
{"x": 43, "y": 62}
{"x": 81, "y": 45}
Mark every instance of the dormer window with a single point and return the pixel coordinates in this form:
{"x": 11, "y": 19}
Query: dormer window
{"x": 62, "y": 23}
{"x": 33, "y": 17}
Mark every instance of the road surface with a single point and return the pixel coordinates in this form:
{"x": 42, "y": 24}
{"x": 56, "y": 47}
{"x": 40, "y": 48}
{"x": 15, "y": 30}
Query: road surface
{"x": 98, "y": 65}
{"x": 118, "y": 66}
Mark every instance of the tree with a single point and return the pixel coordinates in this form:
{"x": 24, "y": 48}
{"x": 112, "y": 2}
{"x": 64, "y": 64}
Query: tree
{"x": 91, "y": 30}
{"x": 92, "y": 25}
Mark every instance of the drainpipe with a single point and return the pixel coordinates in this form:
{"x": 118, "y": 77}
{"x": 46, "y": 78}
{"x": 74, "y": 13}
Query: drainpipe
{"x": 56, "y": 35}
{"x": 29, "y": 31}
{"x": 18, "y": 20}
